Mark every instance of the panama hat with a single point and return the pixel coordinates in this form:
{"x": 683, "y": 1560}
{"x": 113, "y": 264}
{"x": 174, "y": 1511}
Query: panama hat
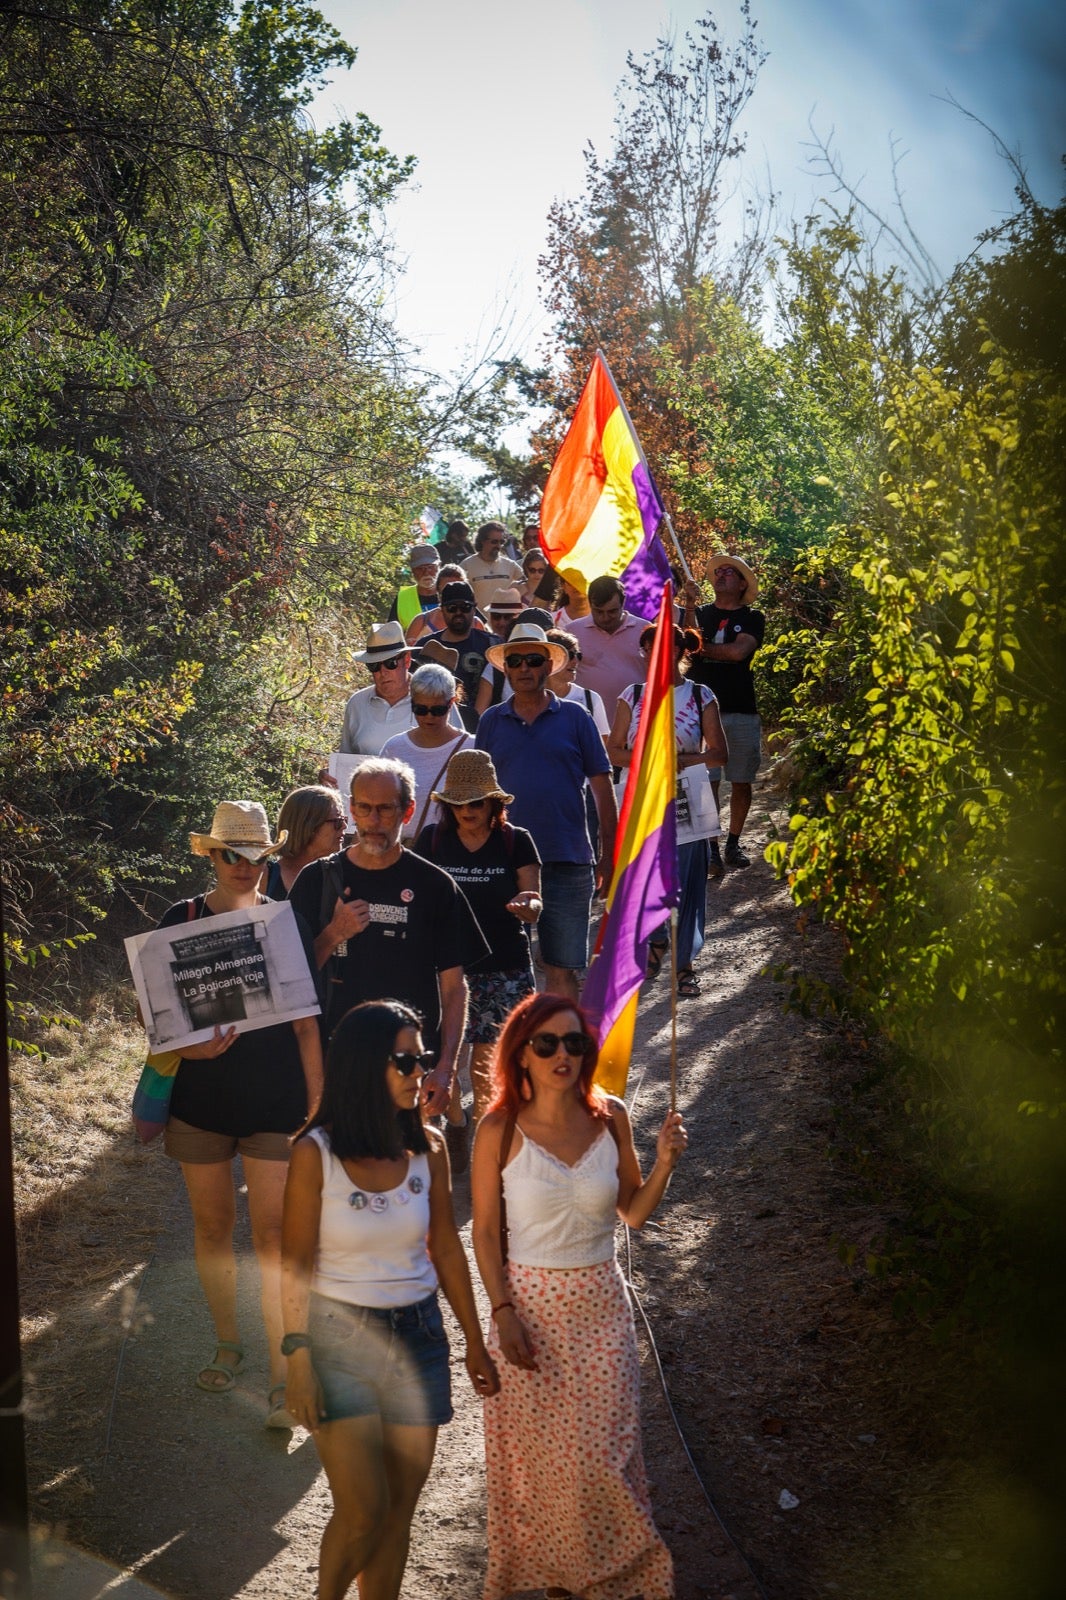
{"x": 528, "y": 633}
{"x": 724, "y": 559}
{"x": 386, "y": 639}
{"x": 470, "y": 776}
{"x": 239, "y": 825}
{"x": 508, "y": 600}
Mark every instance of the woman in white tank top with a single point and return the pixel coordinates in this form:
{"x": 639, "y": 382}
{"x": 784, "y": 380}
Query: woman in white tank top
{"x": 368, "y": 1234}
{"x": 568, "y": 1504}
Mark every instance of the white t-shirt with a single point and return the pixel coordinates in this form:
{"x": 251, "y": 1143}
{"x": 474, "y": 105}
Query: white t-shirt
{"x": 486, "y": 578}
{"x": 426, "y": 765}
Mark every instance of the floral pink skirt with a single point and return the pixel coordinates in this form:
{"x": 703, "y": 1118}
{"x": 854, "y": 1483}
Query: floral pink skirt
{"x": 568, "y": 1503}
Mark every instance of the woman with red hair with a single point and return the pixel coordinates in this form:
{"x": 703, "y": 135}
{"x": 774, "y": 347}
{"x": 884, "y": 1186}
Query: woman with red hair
{"x": 554, "y": 1165}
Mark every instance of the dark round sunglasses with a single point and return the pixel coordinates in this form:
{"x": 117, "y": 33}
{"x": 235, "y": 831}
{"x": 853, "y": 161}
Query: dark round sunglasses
{"x": 421, "y": 710}
{"x": 385, "y": 666}
{"x": 545, "y": 1045}
{"x": 458, "y": 605}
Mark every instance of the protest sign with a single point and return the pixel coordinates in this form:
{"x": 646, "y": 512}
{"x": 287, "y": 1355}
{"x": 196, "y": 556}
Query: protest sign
{"x": 243, "y": 969}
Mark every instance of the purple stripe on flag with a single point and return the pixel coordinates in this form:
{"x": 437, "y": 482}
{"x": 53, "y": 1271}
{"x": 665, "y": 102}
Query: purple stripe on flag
{"x": 647, "y": 887}
{"x": 649, "y": 569}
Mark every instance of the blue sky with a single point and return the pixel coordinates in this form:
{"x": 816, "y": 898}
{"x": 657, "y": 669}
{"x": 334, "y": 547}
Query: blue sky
{"x": 497, "y": 102}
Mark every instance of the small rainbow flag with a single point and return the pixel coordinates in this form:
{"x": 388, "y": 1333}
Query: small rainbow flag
{"x": 645, "y": 883}
{"x": 601, "y": 511}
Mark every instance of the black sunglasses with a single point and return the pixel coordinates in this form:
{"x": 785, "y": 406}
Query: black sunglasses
{"x": 545, "y": 1045}
{"x": 469, "y": 805}
{"x": 458, "y": 605}
{"x": 527, "y": 659}
{"x": 421, "y": 710}
{"x": 385, "y": 666}
{"x": 408, "y": 1061}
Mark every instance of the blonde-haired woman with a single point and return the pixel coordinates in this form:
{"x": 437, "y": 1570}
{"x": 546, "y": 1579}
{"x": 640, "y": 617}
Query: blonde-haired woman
{"x": 313, "y": 823}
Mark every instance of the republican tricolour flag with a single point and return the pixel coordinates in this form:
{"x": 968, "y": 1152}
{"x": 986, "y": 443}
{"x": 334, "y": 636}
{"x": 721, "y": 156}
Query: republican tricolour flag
{"x": 645, "y": 882}
{"x": 600, "y": 513}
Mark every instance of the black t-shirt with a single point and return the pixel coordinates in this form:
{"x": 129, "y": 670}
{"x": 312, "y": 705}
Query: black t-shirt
{"x": 257, "y": 1085}
{"x": 471, "y": 666}
{"x": 420, "y": 924}
{"x": 731, "y": 681}
{"x": 489, "y": 878}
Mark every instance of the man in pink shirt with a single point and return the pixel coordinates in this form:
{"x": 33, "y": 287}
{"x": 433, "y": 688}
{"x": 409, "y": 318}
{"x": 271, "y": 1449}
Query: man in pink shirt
{"x": 610, "y": 643}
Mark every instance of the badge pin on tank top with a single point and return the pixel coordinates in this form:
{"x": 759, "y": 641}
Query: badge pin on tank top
{"x": 381, "y": 1202}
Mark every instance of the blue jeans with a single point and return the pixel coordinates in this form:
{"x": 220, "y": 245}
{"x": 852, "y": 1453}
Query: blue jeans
{"x": 566, "y": 888}
{"x": 390, "y": 1362}
{"x": 692, "y": 861}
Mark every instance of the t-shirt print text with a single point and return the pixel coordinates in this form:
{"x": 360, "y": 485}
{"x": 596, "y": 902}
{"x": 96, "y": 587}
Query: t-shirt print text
{"x": 390, "y": 915}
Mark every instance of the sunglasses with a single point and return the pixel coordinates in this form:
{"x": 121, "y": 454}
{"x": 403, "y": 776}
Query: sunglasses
{"x": 233, "y": 858}
{"x": 531, "y": 658}
{"x": 469, "y": 805}
{"x": 545, "y": 1045}
{"x": 421, "y": 710}
{"x": 386, "y": 666}
{"x": 458, "y": 605}
{"x": 408, "y": 1061}
{"x": 334, "y": 822}
{"x": 575, "y": 655}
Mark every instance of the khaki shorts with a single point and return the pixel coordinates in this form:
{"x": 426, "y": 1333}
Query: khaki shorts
{"x": 185, "y": 1143}
{"x": 743, "y": 734}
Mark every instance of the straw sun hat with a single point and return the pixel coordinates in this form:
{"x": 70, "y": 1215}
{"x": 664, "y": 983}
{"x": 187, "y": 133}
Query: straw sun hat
{"x": 470, "y": 776}
{"x": 239, "y": 825}
{"x": 386, "y": 640}
{"x": 528, "y": 633}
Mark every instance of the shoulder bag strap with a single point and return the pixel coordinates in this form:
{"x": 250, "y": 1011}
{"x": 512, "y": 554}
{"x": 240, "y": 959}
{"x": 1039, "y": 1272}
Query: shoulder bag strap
{"x": 429, "y": 792}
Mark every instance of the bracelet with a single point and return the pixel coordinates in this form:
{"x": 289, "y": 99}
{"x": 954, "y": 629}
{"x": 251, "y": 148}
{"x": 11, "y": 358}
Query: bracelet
{"x": 502, "y": 1306}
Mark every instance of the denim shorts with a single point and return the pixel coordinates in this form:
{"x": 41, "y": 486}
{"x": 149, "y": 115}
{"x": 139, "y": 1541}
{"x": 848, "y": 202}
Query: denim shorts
{"x": 566, "y": 888}
{"x": 389, "y": 1363}
{"x": 743, "y": 733}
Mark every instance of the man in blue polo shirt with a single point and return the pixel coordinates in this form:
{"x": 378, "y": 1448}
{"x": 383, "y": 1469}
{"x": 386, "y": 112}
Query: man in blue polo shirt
{"x": 544, "y": 749}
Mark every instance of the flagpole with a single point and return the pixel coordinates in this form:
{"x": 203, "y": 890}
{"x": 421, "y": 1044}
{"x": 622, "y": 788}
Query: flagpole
{"x": 666, "y": 515}
{"x": 673, "y": 1008}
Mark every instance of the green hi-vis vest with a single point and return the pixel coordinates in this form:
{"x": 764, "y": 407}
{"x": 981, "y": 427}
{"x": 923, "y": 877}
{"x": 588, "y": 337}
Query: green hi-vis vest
{"x": 409, "y": 605}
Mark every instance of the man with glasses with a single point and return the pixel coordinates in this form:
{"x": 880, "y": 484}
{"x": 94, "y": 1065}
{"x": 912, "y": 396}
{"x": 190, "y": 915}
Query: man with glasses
{"x": 732, "y": 632}
{"x": 373, "y": 715}
{"x": 462, "y": 632}
{"x": 488, "y": 569}
{"x": 544, "y": 749}
{"x": 385, "y": 923}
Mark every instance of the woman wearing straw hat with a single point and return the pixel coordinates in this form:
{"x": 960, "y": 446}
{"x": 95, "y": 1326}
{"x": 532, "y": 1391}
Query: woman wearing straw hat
{"x": 241, "y": 1093}
{"x": 498, "y": 869}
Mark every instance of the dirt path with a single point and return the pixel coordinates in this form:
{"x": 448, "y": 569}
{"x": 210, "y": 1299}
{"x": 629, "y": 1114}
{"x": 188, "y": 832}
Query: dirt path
{"x": 800, "y": 1402}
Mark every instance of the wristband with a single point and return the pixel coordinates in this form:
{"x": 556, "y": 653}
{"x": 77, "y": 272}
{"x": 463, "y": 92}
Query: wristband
{"x": 503, "y": 1305}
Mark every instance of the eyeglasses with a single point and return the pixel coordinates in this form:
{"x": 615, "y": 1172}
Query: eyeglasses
{"x": 364, "y": 812}
{"x": 386, "y": 666}
{"x": 527, "y": 659}
{"x": 428, "y": 711}
{"x": 334, "y": 822}
{"x": 459, "y": 605}
{"x": 545, "y": 1045}
{"x": 575, "y": 655}
{"x": 469, "y": 805}
{"x": 233, "y": 858}
{"x": 407, "y": 1061}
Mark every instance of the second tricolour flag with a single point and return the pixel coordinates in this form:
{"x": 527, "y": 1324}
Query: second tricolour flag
{"x": 645, "y": 882}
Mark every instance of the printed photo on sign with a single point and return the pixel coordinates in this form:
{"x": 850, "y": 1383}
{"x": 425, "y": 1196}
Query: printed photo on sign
{"x": 243, "y": 969}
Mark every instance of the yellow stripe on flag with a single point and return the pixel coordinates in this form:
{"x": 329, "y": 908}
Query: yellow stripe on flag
{"x": 612, "y": 1068}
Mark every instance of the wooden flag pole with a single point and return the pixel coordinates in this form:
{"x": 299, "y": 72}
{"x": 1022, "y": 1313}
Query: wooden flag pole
{"x": 673, "y": 1008}
{"x": 680, "y": 553}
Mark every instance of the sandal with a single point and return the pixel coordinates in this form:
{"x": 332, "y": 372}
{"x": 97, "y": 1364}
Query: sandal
{"x": 656, "y": 952}
{"x": 688, "y": 985}
{"x": 277, "y": 1416}
{"x": 229, "y": 1370}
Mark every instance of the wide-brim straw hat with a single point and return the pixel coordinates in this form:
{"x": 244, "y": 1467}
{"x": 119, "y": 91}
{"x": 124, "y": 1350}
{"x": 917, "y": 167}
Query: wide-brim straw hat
{"x": 527, "y": 633}
{"x": 724, "y": 559}
{"x": 470, "y": 775}
{"x": 239, "y": 825}
{"x": 433, "y": 650}
{"x": 386, "y": 639}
